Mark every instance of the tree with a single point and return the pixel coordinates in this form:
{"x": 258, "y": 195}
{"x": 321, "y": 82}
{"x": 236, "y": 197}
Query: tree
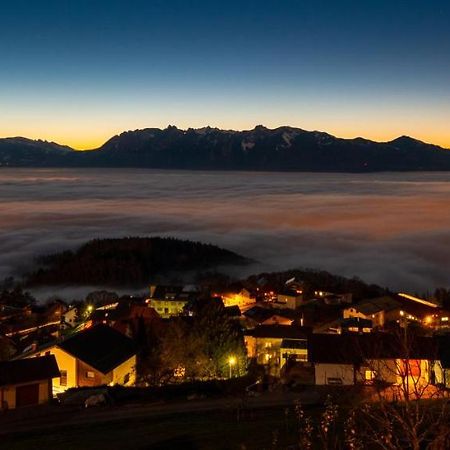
{"x": 442, "y": 295}
{"x": 196, "y": 348}
{"x": 412, "y": 412}
{"x": 403, "y": 411}
{"x": 15, "y": 296}
{"x": 101, "y": 297}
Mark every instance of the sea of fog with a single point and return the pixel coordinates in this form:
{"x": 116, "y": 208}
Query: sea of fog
{"x": 390, "y": 228}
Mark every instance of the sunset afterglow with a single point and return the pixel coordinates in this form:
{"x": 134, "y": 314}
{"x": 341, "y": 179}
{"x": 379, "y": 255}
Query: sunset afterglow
{"x": 72, "y": 77}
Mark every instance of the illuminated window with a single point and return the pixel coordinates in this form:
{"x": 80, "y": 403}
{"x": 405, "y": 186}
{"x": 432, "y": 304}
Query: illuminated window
{"x": 90, "y": 374}
{"x": 63, "y": 377}
{"x": 369, "y": 375}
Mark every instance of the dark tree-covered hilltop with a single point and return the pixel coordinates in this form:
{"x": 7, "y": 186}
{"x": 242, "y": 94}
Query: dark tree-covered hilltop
{"x": 128, "y": 261}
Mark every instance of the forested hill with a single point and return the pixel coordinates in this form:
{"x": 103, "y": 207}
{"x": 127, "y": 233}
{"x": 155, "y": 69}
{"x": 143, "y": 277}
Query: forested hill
{"x": 128, "y": 261}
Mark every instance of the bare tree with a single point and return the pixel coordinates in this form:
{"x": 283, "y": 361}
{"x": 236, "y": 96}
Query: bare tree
{"x": 406, "y": 411}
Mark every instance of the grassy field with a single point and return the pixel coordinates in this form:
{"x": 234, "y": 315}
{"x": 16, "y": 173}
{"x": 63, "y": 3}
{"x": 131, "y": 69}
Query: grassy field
{"x": 203, "y": 430}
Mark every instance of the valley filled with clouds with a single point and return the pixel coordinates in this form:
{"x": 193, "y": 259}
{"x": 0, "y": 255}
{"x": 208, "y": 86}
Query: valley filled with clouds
{"x": 389, "y": 229}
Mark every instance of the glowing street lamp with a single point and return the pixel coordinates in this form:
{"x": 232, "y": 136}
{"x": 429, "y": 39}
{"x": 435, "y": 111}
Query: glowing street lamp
{"x": 428, "y": 320}
{"x": 231, "y": 362}
{"x": 89, "y": 310}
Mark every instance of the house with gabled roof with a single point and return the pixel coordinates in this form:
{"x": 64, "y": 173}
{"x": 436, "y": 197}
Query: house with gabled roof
{"x": 377, "y": 310}
{"x": 348, "y": 359}
{"x": 170, "y": 301}
{"x": 27, "y": 382}
{"x": 258, "y": 315}
{"x": 273, "y": 345}
{"x": 395, "y": 308}
{"x": 96, "y": 356}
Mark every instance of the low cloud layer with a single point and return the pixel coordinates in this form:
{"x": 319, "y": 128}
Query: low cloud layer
{"x": 390, "y": 229}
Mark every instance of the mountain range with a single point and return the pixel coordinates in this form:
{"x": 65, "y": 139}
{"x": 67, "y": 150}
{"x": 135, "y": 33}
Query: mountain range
{"x": 281, "y": 149}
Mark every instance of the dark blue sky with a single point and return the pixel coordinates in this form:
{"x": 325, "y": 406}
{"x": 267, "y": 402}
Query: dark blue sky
{"x": 79, "y": 71}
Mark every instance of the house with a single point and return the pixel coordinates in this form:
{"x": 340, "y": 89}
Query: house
{"x": 10, "y": 312}
{"x": 333, "y": 359}
{"x": 350, "y": 359}
{"x": 336, "y": 299}
{"x": 293, "y": 350}
{"x": 96, "y": 356}
{"x": 238, "y": 297}
{"x": 125, "y": 316}
{"x": 355, "y": 325}
{"x": 27, "y": 382}
{"x": 169, "y": 301}
{"x": 70, "y": 317}
{"x": 379, "y": 310}
{"x": 289, "y": 298}
{"x": 399, "y": 309}
{"x": 258, "y": 315}
{"x": 294, "y": 285}
{"x": 272, "y": 345}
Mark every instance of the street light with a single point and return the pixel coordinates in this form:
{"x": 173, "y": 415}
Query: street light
{"x": 231, "y": 362}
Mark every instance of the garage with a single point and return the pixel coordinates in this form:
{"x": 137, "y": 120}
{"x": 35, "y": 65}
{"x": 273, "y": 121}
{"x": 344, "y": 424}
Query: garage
{"x": 27, "y": 395}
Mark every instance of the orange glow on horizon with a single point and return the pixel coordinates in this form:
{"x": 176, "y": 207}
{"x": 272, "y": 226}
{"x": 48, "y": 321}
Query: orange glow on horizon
{"x": 86, "y": 139}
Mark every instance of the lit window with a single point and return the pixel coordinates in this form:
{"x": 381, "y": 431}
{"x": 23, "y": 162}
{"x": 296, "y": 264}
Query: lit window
{"x": 90, "y": 374}
{"x": 63, "y": 377}
{"x": 369, "y": 375}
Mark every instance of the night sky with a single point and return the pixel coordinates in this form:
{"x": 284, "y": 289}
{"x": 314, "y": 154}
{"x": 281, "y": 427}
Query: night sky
{"x": 79, "y": 71}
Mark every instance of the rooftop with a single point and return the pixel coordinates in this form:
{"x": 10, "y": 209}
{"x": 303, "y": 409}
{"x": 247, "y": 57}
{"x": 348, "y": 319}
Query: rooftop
{"x": 279, "y": 332}
{"x": 299, "y": 344}
{"x": 354, "y": 348}
{"x": 101, "y": 347}
{"x": 375, "y": 305}
{"x": 26, "y": 370}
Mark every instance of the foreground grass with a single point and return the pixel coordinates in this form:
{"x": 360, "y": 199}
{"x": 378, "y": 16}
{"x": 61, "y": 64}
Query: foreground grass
{"x": 211, "y": 430}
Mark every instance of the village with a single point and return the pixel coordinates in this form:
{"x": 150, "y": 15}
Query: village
{"x": 289, "y": 337}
